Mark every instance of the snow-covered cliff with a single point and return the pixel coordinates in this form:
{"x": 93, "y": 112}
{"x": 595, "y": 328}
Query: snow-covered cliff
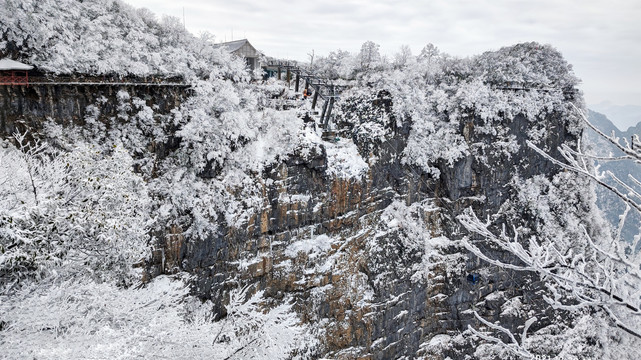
{"x": 204, "y": 223}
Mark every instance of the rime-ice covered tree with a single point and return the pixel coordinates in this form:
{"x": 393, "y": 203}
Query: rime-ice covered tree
{"x": 334, "y": 65}
{"x": 81, "y": 211}
{"x": 369, "y": 55}
{"x": 80, "y": 319}
{"x": 403, "y": 57}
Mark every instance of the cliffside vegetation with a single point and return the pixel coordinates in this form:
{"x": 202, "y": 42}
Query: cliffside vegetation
{"x": 228, "y": 228}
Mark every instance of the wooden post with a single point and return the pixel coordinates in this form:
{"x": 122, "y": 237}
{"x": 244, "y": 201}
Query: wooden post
{"x": 329, "y": 111}
{"x": 279, "y": 73}
{"x": 317, "y": 90}
{"x": 297, "y": 80}
{"x": 324, "y": 110}
{"x": 289, "y": 77}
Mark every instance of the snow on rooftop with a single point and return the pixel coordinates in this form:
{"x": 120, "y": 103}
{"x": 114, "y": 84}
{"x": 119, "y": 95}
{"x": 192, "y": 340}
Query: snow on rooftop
{"x": 232, "y": 46}
{"x": 8, "y": 64}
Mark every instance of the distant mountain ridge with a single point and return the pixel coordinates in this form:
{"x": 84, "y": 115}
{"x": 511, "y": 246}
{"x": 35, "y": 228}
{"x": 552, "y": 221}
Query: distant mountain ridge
{"x": 603, "y": 123}
{"x": 624, "y": 117}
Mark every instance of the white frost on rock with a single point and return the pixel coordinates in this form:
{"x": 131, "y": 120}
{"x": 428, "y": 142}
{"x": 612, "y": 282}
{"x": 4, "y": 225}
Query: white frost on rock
{"x": 344, "y": 161}
{"x": 314, "y": 246}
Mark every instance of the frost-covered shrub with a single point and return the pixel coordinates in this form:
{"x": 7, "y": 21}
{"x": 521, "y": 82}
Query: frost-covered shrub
{"x": 344, "y": 161}
{"x": 222, "y": 123}
{"x": 226, "y": 139}
{"x": 81, "y": 319}
{"x": 84, "y": 211}
{"x": 408, "y": 236}
{"x": 432, "y": 140}
{"x": 557, "y": 210}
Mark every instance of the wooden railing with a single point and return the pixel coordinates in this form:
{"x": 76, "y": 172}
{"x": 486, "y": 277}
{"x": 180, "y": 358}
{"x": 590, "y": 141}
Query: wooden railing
{"x": 321, "y": 88}
{"x": 14, "y": 78}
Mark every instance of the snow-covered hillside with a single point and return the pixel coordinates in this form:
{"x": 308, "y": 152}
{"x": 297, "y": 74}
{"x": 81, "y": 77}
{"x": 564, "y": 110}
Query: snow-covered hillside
{"x": 106, "y": 38}
{"x": 204, "y": 222}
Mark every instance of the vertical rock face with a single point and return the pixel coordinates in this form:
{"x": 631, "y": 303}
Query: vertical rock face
{"x": 68, "y": 104}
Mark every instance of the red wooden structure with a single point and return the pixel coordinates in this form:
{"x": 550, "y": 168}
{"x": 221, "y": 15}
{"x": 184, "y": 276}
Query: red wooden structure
{"x": 14, "y": 78}
{"x": 14, "y": 72}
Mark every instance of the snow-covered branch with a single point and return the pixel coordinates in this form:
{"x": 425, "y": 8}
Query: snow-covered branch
{"x": 573, "y": 165}
{"x": 628, "y": 148}
{"x": 611, "y": 287}
{"x": 514, "y": 346}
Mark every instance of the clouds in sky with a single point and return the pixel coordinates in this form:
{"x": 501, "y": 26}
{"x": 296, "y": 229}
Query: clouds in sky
{"x": 601, "y": 38}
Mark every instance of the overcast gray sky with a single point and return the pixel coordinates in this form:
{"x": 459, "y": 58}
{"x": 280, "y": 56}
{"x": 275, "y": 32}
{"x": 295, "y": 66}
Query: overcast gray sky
{"x": 601, "y": 38}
